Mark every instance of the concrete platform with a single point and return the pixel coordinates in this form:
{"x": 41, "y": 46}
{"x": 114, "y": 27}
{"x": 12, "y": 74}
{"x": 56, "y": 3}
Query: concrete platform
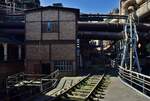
{"x": 117, "y": 91}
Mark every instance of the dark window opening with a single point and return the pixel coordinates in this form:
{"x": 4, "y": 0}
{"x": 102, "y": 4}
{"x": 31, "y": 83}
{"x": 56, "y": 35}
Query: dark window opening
{"x": 46, "y": 68}
{"x": 12, "y": 52}
{"x": 50, "y": 27}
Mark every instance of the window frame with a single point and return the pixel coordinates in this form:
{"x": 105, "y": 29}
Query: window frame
{"x": 50, "y": 26}
{"x": 63, "y": 65}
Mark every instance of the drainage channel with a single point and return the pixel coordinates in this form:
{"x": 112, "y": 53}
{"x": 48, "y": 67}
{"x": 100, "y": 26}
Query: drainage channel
{"x": 90, "y": 88}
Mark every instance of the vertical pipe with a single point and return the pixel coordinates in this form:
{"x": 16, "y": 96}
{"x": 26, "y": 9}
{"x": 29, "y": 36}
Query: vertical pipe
{"x": 14, "y": 7}
{"x": 131, "y": 42}
{"x": 135, "y": 47}
{"x": 6, "y": 1}
{"x": 19, "y": 52}
{"x": 5, "y": 51}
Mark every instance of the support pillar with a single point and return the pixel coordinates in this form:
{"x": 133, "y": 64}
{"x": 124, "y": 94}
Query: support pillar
{"x": 6, "y": 1}
{"x": 19, "y": 52}
{"x": 5, "y": 51}
{"x": 14, "y": 7}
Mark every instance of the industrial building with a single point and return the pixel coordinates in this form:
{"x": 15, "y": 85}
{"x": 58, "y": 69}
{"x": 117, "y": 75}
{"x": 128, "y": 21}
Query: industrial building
{"x": 51, "y": 40}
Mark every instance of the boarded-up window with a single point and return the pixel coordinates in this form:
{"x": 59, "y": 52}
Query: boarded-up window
{"x": 50, "y": 27}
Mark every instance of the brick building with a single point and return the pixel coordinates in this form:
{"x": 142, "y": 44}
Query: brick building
{"x": 51, "y": 40}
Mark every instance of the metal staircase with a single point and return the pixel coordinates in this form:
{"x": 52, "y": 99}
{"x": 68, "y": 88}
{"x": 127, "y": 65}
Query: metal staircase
{"x": 129, "y": 55}
{"x": 130, "y": 70}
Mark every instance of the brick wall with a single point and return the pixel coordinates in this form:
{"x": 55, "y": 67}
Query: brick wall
{"x": 63, "y": 52}
{"x": 48, "y": 47}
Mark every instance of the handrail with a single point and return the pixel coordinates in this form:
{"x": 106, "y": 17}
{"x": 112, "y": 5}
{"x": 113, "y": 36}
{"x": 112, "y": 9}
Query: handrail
{"x": 43, "y": 80}
{"x": 136, "y": 83}
{"x": 52, "y": 75}
{"x": 133, "y": 78}
{"x": 136, "y": 78}
{"x": 135, "y": 72}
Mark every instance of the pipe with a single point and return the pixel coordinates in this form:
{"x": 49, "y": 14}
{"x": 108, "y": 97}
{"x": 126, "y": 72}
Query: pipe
{"x": 141, "y": 12}
{"x": 18, "y": 25}
{"x": 12, "y": 31}
{"x": 109, "y": 27}
{"x": 100, "y": 35}
{"x": 126, "y": 5}
{"x": 144, "y": 10}
{"x": 114, "y": 21}
{"x": 139, "y": 2}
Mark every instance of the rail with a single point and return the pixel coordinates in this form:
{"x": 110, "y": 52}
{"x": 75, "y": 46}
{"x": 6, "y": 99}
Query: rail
{"x": 79, "y": 83}
{"x": 70, "y": 89}
{"x": 136, "y": 80}
{"x": 89, "y": 88}
{"x": 95, "y": 87}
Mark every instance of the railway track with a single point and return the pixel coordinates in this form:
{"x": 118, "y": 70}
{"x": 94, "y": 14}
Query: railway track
{"x": 90, "y": 88}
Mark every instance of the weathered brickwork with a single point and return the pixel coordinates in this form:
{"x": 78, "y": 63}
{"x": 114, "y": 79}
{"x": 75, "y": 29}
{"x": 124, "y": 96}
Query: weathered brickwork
{"x": 48, "y": 47}
{"x": 63, "y": 52}
{"x": 67, "y": 30}
{"x": 34, "y": 16}
{"x": 33, "y": 30}
{"x": 50, "y": 15}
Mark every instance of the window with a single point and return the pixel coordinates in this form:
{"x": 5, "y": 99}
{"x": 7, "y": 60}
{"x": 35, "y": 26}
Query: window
{"x": 63, "y": 65}
{"x": 50, "y": 27}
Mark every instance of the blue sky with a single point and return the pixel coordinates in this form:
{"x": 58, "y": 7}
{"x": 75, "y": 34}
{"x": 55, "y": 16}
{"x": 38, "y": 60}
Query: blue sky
{"x": 86, "y": 6}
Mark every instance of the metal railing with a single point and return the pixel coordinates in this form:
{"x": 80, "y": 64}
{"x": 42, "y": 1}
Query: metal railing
{"x": 43, "y": 81}
{"x": 138, "y": 81}
{"x": 49, "y": 81}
